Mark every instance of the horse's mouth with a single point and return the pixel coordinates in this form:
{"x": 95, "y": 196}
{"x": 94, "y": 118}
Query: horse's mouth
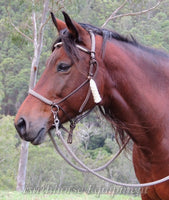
{"x": 39, "y": 138}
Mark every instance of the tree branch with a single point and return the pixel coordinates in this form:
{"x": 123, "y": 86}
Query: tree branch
{"x": 17, "y": 29}
{"x": 38, "y": 40}
{"x": 114, "y": 13}
{"x": 43, "y": 23}
{"x": 113, "y": 16}
{"x": 35, "y": 34}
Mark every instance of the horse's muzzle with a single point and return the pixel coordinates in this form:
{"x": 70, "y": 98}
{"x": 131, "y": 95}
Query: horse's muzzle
{"x": 25, "y": 132}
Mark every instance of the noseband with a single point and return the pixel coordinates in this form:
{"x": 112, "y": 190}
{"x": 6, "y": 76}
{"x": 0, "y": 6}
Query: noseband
{"x": 55, "y": 107}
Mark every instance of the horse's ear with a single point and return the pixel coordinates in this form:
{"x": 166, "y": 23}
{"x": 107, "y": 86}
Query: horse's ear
{"x": 74, "y": 28}
{"x": 60, "y": 25}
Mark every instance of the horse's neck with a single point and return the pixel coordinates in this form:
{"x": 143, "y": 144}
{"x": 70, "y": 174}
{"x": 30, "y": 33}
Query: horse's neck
{"x": 138, "y": 96}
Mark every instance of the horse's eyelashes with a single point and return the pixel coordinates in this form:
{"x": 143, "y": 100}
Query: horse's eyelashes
{"x": 63, "y": 67}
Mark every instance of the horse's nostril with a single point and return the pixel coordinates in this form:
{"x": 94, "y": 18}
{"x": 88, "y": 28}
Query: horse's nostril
{"x": 21, "y": 127}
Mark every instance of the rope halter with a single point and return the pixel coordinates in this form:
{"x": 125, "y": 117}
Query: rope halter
{"x": 93, "y": 88}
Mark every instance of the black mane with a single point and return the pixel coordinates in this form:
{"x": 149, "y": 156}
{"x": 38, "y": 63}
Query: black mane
{"x": 70, "y": 47}
{"x": 108, "y": 35}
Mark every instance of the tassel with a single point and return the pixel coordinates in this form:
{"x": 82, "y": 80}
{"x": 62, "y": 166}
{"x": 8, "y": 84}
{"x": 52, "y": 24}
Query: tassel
{"x": 95, "y": 92}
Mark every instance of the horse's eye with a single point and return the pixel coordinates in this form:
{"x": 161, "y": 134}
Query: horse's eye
{"x": 62, "y": 67}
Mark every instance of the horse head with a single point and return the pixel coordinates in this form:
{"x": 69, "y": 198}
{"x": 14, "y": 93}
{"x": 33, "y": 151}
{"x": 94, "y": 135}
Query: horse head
{"x": 64, "y": 82}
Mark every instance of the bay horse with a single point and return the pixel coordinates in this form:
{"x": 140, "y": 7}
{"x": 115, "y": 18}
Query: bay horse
{"x": 132, "y": 81}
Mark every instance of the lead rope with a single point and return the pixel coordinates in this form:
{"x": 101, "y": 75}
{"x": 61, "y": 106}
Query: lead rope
{"x": 82, "y": 169}
{"x": 59, "y": 134}
{"x": 98, "y": 175}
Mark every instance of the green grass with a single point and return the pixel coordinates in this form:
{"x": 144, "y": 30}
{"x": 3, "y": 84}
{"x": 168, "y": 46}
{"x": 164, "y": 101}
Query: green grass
{"x": 13, "y": 195}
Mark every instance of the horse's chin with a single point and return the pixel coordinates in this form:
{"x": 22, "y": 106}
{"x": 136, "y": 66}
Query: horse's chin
{"x": 39, "y": 139}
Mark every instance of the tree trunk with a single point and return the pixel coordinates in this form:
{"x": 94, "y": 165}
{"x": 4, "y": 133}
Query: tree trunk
{"x": 38, "y": 43}
{"x": 22, "y": 166}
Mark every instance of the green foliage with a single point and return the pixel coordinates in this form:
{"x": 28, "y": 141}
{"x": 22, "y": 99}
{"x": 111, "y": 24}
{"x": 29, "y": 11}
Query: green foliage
{"x": 108, "y": 145}
{"x": 9, "y": 153}
{"x": 48, "y": 170}
{"x": 96, "y": 142}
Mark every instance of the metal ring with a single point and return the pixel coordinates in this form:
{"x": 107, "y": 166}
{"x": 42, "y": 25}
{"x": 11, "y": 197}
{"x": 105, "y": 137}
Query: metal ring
{"x": 54, "y": 106}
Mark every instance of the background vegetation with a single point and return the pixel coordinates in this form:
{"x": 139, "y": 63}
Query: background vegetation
{"x": 45, "y": 167}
